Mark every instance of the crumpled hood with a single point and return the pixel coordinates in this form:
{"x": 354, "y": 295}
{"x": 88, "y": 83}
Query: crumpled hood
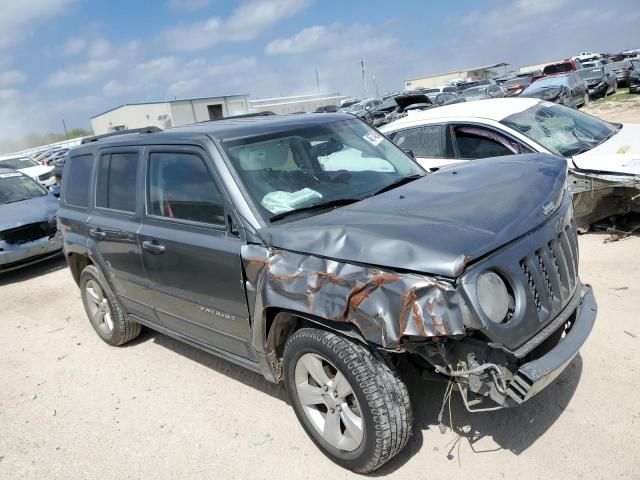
{"x": 39, "y": 209}
{"x": 435, "y": 224}
{"x": 619, "y": 154}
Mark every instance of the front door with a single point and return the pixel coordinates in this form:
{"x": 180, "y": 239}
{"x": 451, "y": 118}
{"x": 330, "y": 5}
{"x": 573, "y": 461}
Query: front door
{"x": 114, "y": 223}
{"x": 193, "y": 264}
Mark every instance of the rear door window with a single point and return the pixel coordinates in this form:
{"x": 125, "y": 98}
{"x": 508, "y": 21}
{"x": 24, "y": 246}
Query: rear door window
{"x": 474, "y": 142}
{"x": 117, "y": 180}
{"x": 77, "y": 180}
{"x": 426, "y": 141}
{"x": 181, "y": 187}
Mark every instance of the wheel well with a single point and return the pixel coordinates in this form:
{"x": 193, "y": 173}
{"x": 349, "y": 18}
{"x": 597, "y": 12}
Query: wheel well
{"x": 77, "y": 262}
{"x": 280, "y": 325}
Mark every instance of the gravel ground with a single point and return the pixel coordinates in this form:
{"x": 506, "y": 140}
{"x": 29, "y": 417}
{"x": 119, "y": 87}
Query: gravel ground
{"x": 73, "y": 407}
{"x": 623, "y": 107}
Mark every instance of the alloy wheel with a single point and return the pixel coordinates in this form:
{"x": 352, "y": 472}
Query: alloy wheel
{"x": 328, "y": 402}
{"x": 99, "y": 309}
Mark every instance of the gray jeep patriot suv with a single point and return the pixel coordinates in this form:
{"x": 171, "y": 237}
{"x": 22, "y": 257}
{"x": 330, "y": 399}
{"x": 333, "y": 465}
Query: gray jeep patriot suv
{"x": 312, "y": 250}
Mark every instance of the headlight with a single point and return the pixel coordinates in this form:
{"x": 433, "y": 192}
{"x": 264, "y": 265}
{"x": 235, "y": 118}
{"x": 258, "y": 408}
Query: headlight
{"x": 493, "y": 296}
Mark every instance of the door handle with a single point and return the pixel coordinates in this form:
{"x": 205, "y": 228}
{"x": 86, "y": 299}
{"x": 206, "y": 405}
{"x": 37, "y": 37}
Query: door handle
{"x": 153, "y": 247}
{"x": 97, "y": 234}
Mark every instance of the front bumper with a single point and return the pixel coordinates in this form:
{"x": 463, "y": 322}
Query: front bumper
{"x": 17, "y": 256}
{"x": 534, "y": 376}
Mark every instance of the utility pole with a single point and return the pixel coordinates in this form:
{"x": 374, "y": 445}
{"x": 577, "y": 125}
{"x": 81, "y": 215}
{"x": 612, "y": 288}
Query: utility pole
{"x": 66, "y": 135}
{"x": 375, "y": 83}
{"x": 317, "y": 81}
{"x": 364, "y": 78}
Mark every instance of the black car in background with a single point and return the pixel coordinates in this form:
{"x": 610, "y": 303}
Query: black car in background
{"x": 569, "y": 90}
{"x": 601, "y": 81}
{"x": 634, "y": 77}
{"x": 622, "y": 70}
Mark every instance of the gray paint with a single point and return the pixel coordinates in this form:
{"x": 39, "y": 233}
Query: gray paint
{"x": 395, "y": 270}
{"x": 436, "y": 224}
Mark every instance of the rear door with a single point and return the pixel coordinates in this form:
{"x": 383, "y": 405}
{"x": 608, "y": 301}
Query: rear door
{"x": 114, "y": 223}
{"x": 192, "y": 261}
{"x": 428, "y": 143}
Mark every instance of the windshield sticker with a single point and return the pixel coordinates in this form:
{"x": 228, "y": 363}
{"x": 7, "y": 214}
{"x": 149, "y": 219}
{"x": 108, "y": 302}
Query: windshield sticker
{"x": 373, "y": 138}
{"x": 9, "y": 175}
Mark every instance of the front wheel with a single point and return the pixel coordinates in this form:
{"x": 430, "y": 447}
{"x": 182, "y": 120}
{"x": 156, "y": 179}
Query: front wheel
{"x": 352, "y": 403}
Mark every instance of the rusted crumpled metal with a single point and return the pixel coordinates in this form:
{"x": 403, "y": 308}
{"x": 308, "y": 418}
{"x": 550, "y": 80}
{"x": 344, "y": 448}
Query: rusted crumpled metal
{"x": 383, "y": 305}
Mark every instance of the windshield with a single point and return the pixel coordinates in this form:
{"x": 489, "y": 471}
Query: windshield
{"x": 552, "y": 82}
{"x": 589, "y": 73}
{"x": 330, "y": 162}
{"x": 562, "y": 130}
{"x": 474, "y": 92}
{"x": 16, "y": 187}
{"x": 18, "y": 163}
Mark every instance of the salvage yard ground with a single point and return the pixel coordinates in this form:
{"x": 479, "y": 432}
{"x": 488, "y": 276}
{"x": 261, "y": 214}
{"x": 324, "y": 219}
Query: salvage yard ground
{"x": 621, "y": 107}
{"x": 73, "y": 408}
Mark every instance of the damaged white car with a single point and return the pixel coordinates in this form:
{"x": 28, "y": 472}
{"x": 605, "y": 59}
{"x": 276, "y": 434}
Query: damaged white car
{"x": 603, "y": 158}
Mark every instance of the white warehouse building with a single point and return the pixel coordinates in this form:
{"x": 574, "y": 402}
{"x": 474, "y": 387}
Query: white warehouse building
{"x": 171, "y": 113}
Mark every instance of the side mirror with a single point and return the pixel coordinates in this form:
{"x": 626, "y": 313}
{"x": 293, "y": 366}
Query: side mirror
{"x": 55, "y": 190}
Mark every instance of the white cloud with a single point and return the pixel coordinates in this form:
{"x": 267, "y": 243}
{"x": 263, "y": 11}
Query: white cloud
{"x": 115, "y": 88}
{"x": 19, "y": 18}
{"x": 310, "y": 38}
{"x": 246, "y": 22}
{"x": 334, "y": 40}
{"x": 82, "y": 74}
{"x": 9, "y": 78}
{"x": 188, "y": 5}
{"x": 100, "y": 48}
{"x": 182, "y": 88}
{"x": 74, "y": 46}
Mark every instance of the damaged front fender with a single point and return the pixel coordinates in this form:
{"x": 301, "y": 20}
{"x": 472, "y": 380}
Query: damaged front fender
{"x": 600, "y": 195}
{"x": 384, "y": 306}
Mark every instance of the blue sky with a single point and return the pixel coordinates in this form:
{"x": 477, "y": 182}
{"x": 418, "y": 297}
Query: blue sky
{"x": 72, "y": 59}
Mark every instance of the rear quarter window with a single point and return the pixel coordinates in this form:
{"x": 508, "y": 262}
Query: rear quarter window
{"x": 77, "y": 180}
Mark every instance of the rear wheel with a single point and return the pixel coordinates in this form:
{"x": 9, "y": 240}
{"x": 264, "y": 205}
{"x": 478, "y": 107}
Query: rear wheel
{"x": 104, "y": 311}
{"x": 352, "y": 403}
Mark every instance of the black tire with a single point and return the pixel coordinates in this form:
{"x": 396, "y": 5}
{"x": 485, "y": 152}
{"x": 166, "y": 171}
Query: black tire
{"x": 122, "y": 329}
{"x": 382, "y": 398}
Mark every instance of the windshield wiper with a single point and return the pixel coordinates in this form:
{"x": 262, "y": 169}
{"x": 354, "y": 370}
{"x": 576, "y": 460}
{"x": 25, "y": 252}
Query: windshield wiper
{"x": 397, "y": 183}
{"x": 340, "y": 202}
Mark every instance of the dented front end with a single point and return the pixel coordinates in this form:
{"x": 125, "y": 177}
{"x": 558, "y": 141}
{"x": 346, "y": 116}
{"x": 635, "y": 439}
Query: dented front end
{"x": 385, "y": 307}
{"x": 439, "y": 320}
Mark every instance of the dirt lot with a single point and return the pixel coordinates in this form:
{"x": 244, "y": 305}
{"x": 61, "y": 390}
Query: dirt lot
{"x": 72, "y": 407}
{"x": 622, "y": 107}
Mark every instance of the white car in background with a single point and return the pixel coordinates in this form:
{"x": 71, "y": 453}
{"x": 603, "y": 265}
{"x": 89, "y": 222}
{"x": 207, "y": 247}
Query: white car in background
{"x": 43, "y": 174}
{"x": 603, "y": 158}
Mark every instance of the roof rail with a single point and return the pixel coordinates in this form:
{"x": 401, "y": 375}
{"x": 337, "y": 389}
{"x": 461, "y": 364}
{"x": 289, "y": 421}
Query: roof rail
{"x": 95, "y": 138}
{"x": 243, "y": 115}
